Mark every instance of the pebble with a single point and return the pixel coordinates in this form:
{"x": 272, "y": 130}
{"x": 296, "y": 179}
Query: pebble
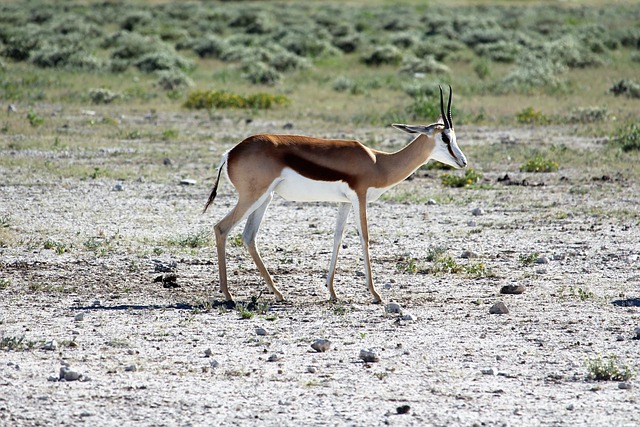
{"x": 261, "y": 331}
{"x": 79, "y": 317}
{"x": 387, "y": 286}
{"x": 637, "y": 331}
{"x": 131, "y": 368}
{"x": 499, "y": 308}
{"x": 489, "y": 371}
{"x": 468, "y": 255}
{"x": 369, "y": 355}
{"x": 471, "y": 223}
{"x": 11, "y": 108}
{"x": 50, "y": 345}
{"x": 117, "y": 187}
{"x": 69, "y": 374}
{"x": 321, "y": 345}
{"x": 208, "y": 352}
{"x": 512, "y": 289}
{"x": 541, "y": 271}
{"x": 273, "y": 358}
{"x": 407, "y": 317}
{"x": 404, "y": 409}
{"x": 214, "y": 364}
{"x": 431, "y": 202}
{"x": 97, "y": 303}
{"x": 393, "y": 307}
{"x": 625, "y": 385}
{"x": 477, "y": 212}
{"x": 311, "y": 369}
{"x": 164, "y": 267}
{"x": 188, "y": 182}
{"x": 542, "y": 260}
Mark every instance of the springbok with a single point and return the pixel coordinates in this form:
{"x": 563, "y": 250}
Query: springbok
{"x": 301, "y": 168}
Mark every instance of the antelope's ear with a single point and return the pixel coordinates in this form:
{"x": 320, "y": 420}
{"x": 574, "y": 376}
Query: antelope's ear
{"x": 405, "y": 128}
{"x": 440, "y": 121}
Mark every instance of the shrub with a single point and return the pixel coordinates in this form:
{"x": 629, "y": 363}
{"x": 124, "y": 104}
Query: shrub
{"x": 426, "y": 65}
{"x": 386, "y": 54}
{"x": 627, "y": 138}
{"x": 173, "y": 80}
{"x": 70, "y": 58}
{"x": 224, "y": 99}
{"x": 501, "y": 51}
{"x": 470, "y": 177}
{"x": 210, "y": 47}
{"x": 424, "y": 108}
{"x": 163, "y": 60}
{"x": 342, "y": 84}
{"x": 482, "y": 69}
{"x": 539, "y": 164}
{"x": 258, "y": 72}
{"x": 533, "y": 70}
{"x": 609, "y": 370}
{"x": 102, "y": 96}
{"x": 530, "y": 116}
{"x": 588, "y": 115}
{"x": 629, "y": 88}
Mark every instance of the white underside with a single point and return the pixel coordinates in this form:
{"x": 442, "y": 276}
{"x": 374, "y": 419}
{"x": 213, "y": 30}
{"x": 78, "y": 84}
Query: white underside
{"x": 294, "y": 187}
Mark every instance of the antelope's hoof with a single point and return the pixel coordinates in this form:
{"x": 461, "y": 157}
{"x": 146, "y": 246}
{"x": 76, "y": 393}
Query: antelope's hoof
{"x": 229, "y": 304}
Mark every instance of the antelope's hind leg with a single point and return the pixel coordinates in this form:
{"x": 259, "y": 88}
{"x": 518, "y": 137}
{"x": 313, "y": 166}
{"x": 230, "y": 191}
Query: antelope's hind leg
{"x": 343, "y": 213}
{"x": 249, "y": 240}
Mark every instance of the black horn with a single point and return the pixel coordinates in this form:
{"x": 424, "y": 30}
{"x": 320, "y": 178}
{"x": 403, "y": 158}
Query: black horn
{"x": 449, "y": 118}
{"x": 445, "y": 119}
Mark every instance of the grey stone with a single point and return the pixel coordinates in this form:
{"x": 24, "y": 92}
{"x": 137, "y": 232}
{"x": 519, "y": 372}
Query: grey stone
{"x": 214, "y": 363}
{"x": 468, "y": 255}
{"x": 188, "y": 181}
{"x": 117, "y": 187}
{"x": 79, "y": 317}
{"x": 311, "y": 369}
{"x": 131, "y": 368}
{"x": 542, "y": 260}
{"x": 369, "y": 355}
{"x": 261, "y": 331}
{"x": 489, "y": 371}
{"x": 68, "y": 374}
{"x": 50, "y": 345}
{"x": 512, "y": 289}
{"x": 393, "y": 307}
{"x": 499, "y": 308}
{"x": 471, "y": 223}
{"x": 273, "y": 358}
{"x": 321, "y": 345}
{"x": 625, "y": 385}
{"x": 477, "y": 212}
{"x": 407, "y": 317}
{"x": 431, "y": 202}
{"x": 208, "y": 352}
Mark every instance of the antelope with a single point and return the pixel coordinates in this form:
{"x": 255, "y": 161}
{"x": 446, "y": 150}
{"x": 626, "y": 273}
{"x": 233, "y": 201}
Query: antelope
{"x": 302, "y": 168}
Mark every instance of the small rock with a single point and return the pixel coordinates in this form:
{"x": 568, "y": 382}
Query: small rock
{"x": 499, "y": 308}
{"x": 393, "y": 307}
{"x": 541, "y": 271}
{"x": 208, "y": 352}
{"x": 11, "y": 108}
{"x": 407, "y": 317}
{"x": 273, "y": 358}
{"x": 637, "y": 331}
{"x": 53, "y": 378}
{"x": 468, "y": 255}
{"x": 471, "y": 223}
{"x": 50, "y": 345}
{"x": 431, "y": 202}
{"x": 321, "y": 345}
{"x": 404, "y": 409}
{"x": 68, "y": 374}
{"x": 512, "y": 289}
{"x": 117, "y": 187}
{"x": 489, "y": 371}
{"x": 131, "y": 368}
{"x": 369, "y": 355}
{"x": 287, "y": 126}
{"x": 214, "y": 364}
{"x": 625, "y": 385}
{"x": 188, "y": 182}
{"x": 164, "y": 267}
{"x": 79, "y": 317}
{"x": 570, "y": 407}
{"x": 387, "y": 286}
{"x": 167, "y": 162}
{"x": 477, "y": 212}
{"x": 311, "y": 369}
{"x": 261, "y": 331}
{"x": 97, "y": 303}
{"x": 542, "y": 260}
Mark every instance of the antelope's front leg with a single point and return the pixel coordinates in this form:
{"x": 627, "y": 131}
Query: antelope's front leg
{"x": 363, "y": 229}
{"x": 343, "y": 213}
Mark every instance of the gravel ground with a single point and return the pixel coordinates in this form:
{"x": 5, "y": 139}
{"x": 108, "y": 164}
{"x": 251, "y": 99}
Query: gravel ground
{"x": 148, "y": 353}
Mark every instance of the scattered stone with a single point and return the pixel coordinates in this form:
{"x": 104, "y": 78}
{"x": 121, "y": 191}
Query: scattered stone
{"x": 637, "y": 332}
{"x": 68, "y": 374}
{"x": 512, "y": 289}
{"x": 131, "y": 368}
{"x": 169, "y": 281}
{"x": 471, "y": 223}
{"x": 407, "y": 317}
{"x": 368, "y": 355}
{"x": 311, "y": 369}
{"x": 404, "y": 409}
{"x": 542, "y": 260}
{"x": 273, "y": 358}
{"x": 208, "y": 353}
{"x": 79, "y": 317}
{"x": 11, "y": 108}
{"x": 489, "y": 371}
{"x": 53, "y": 378}
{"x": 188, "y": 182}
{"x": 625, "y": 385}
{"x": 387, "y": 286}
{"x": 541, "y": 271}
{"x": 261, "y": 331}
{"x": 164, "y": 267}
{"x": 50, "y": 345}
{"x": 97, "y": 303}
{"x": 287, "y": 126}
{"x": 117, "y": 187}
{"x": 477, "y": 212}
{"x": 214, "y": 364}
{"x": 167, "y": 161}
{"x": 499, "y": 308}
{"x": 468, "y": 255}
{"x": 393, "y": 307}
{"x": 431, "y": 202}
{"x": 321, "y": 345}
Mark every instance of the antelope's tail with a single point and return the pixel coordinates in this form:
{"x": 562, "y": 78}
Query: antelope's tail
{"x": 214, "y": 192}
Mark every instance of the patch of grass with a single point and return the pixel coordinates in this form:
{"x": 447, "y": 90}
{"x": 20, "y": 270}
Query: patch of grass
{"x": 470, "y": 177}
{"x": 408, "y": 265}
{"x": 34, "y": 119}
{"x": 249, "y": 310}
{"x": 538, "y": 164}
{"x": 17, "y": 344}
{"x": 236, "y": 241}
{"x": 5, "y": 221}
{"x": 627, "y": 138}
{"x": 222, "y": 99}
{"x": 528, "y": 259}
{"x": 170, "y": 134}
{"x": 5, "y": 283}
{"x": 608, "y": 369}
{"x": 58, "y": 247}
{"x": 193, "y": 240}
{"x": 530, "y": 116}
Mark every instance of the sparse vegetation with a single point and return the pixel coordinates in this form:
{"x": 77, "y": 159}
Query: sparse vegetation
{"x": 470, "y": 177}
{"x": 608, "y": 369}
{"x": 627, "y": 138}
{"x": 538, "y": 164}
{"x": 222, "y": 99}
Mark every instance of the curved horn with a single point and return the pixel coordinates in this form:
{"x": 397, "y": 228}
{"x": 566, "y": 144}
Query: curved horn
{"x": 447, "y": 125}
{"x": 449, "y": 118}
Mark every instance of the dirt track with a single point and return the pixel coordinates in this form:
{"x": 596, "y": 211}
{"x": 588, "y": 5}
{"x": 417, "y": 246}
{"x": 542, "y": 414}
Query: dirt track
{"x": 583, "y": 302}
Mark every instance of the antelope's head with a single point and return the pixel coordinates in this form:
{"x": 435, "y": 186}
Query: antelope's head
{"x": 445, "y": 149}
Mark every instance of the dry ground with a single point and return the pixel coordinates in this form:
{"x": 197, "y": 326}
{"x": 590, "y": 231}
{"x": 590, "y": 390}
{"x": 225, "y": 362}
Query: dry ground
{"x": 103, "y": 246}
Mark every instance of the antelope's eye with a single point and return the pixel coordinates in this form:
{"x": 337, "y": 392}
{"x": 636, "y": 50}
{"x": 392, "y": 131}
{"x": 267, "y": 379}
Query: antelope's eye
{"x": 445, "y": 138}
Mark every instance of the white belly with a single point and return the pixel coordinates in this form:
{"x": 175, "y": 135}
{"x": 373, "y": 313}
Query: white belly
{"x": 295, "y": 187}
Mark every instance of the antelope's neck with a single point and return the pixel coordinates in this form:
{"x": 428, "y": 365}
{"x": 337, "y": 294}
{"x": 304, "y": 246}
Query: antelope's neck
{"x": 399, "y": 165}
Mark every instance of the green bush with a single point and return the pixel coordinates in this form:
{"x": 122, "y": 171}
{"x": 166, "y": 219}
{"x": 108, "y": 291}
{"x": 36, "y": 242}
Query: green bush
{"x": 588, "y": 115}
{"x": 223, "y": 99}
{"x": 102, "y": 96}
{"x": 539, "y": 164}
{"x": 426, "y": 65}
{"x": 627, "y": 138}
{"x": 258, "y": 72}
{"x": 163, "y": 60}
{"x": 628, "y": 88}
{"x": 385, "y": 54}
{"x": 530, "y": 116}
{"x": 470, "y": 177}
{"x": 608, "y": 370}
{"x": 173, "y": 80}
